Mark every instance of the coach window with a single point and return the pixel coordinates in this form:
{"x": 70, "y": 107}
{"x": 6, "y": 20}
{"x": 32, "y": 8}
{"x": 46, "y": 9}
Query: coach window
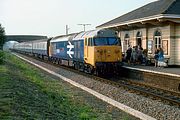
{"x": 157, "y": 39}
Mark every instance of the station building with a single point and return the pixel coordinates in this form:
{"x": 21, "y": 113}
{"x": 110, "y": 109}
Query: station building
{"x": 154, "y": 25}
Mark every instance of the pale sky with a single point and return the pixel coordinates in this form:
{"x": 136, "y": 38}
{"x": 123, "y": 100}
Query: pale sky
{"x": 49, "y": 17}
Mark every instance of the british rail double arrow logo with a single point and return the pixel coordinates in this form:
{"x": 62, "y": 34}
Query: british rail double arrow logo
{"x": 70, "y": 52}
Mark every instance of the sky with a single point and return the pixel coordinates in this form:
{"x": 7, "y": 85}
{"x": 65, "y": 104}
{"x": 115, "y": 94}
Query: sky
{"x": 50, "y": 17}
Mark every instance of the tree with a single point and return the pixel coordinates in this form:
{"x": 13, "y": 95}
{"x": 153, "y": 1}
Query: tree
{"x": 2, "y": 37}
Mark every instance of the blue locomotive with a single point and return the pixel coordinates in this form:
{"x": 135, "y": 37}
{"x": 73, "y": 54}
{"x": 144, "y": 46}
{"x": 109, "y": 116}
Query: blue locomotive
{"x": 96, "y": 51}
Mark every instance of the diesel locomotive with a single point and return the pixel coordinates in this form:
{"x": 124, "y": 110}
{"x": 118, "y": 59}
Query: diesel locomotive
{"x": 95, "y": 52}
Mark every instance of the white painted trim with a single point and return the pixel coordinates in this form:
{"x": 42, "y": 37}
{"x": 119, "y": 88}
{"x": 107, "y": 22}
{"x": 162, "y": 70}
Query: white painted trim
{"x": 156, "y": 72}
{"x": 121, "y": 106}
{"x": 171, "y": 16}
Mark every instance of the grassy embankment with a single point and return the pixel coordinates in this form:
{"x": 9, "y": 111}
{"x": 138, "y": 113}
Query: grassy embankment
{"x": 26, "y": 93}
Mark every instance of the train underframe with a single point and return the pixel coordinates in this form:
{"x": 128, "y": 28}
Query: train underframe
{"x": 100, "y": 68}
{"x": 108, "y": 68}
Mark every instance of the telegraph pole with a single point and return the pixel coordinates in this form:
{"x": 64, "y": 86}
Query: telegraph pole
{"x": 84, "y": 25}
{"x": 67, "y": 29}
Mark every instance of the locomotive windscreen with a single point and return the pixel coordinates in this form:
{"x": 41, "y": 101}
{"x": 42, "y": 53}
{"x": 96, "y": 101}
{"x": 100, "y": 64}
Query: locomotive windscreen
{"x": 106, "y": 41}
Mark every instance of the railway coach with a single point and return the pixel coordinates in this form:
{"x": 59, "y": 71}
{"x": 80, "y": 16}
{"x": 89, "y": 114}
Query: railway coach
{"x": 96, "y": 51}
{"x": 38, "y": 48}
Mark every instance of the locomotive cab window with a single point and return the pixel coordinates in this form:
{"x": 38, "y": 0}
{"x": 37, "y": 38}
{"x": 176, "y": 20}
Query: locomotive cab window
{"x": 85, "y": 42}
{"x": 114, "y": 41}
{"x": 106, "y": 41}
{"x": 90, "y": 42}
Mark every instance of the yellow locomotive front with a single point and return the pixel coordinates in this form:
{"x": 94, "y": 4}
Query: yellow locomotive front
{"x": 103, "y": 52}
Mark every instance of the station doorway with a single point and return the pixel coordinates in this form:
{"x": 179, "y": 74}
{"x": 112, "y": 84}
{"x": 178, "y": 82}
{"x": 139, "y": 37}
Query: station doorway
{"x": 139, "y": 39}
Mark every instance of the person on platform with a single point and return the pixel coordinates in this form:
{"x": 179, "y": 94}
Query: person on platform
{"x": 140, "y": 55}
{"x": 156, "y": 56}
{"x": 160, "y": 57}
{"x": 134, "y": 55}
{"x": 128, "y": 54}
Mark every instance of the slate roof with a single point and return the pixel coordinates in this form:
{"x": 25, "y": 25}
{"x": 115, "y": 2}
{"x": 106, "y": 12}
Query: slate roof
{"x": 151, "y": 9}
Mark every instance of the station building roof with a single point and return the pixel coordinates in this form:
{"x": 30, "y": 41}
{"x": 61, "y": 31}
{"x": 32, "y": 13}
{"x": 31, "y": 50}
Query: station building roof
{"x": 154, "y": 10}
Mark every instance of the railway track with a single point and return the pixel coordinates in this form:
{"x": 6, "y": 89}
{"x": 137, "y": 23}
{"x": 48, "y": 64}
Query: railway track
{"x": 168, "y": 96}
{"x": 163, "y": 94}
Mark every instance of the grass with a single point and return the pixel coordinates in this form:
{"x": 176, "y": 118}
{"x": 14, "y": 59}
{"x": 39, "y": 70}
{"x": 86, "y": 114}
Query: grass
{"x": 1, "y": 56}
{"x": 26, "y": 93}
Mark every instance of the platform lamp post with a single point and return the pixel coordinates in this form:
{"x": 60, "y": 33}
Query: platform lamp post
{"x": 67, "y": 29}
{"x": 84, "y": 25}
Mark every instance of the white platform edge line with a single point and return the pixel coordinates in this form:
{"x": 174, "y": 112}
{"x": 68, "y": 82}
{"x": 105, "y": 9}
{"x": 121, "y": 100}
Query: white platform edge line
{"x": 123, "y": 107}
{"x": 163, "y": 73}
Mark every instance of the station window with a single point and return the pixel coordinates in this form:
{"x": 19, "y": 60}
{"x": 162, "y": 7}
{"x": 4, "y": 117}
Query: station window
{"x": 157, "y": 39}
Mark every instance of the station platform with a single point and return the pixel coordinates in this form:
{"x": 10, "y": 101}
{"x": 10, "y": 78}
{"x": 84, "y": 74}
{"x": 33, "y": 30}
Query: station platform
{"x": 168, "y": 78}
{"x": 161, "y": 70}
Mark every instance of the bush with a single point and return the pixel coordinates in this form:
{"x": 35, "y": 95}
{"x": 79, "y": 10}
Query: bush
{"x": 1, "y": 57}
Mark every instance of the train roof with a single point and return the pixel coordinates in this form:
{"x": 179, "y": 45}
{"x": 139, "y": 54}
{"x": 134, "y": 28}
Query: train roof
{"x": 62, "y": 38}
{"x": 42, "y": 40}
{"x": 96, "y": 33}
{"x": 82, "y": 35}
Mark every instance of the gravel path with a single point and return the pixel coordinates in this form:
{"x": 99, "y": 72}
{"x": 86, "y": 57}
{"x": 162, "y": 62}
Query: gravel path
{"x": 148, "y": 106}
